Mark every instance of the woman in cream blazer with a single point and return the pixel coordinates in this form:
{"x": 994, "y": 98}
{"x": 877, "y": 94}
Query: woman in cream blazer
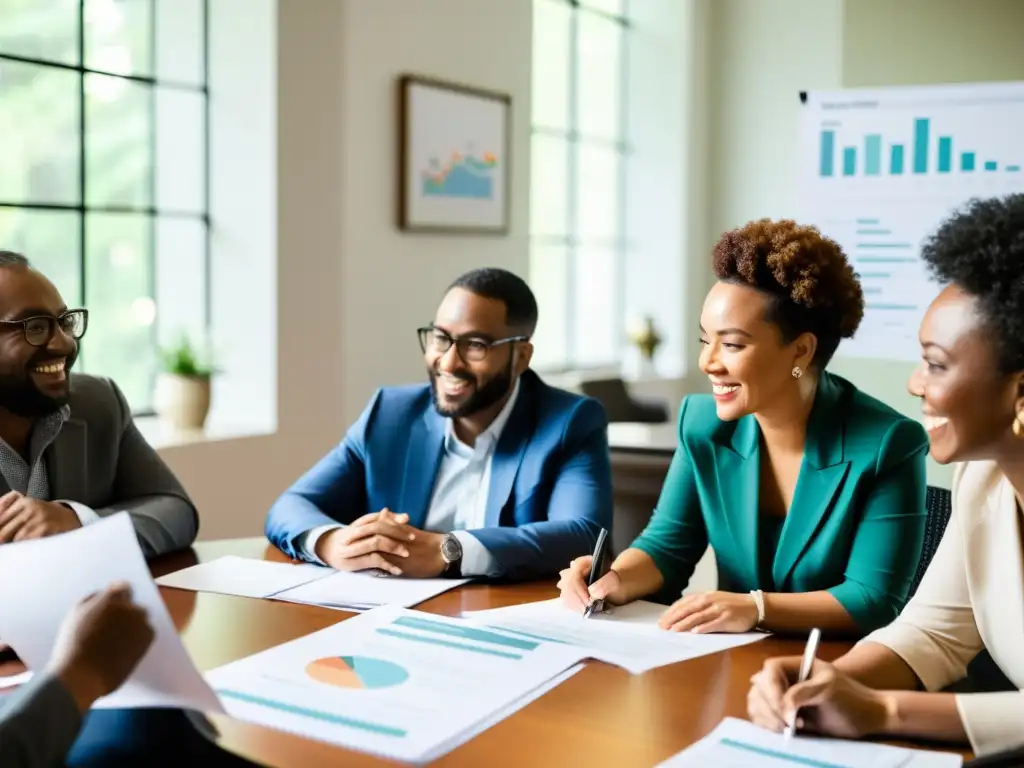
{"x": 971, "y": 384}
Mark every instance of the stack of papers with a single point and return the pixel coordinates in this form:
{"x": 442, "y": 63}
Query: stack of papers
{"x": 306, "y": 583}
{"x": 627, "y": 636}
{"x": 401, "y": 684}
{"x": 739, "y": 744}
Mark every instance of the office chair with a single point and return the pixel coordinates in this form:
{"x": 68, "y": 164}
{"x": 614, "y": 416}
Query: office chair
{"x": 620, "y": 405}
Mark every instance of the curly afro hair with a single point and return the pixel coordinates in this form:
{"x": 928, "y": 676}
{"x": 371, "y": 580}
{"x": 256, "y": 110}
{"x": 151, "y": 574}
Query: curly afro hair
{"x": 980, "y": 248}
{"x": 811, "y": 285}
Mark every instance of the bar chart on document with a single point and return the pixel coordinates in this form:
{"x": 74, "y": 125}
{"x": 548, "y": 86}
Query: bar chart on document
{"x": 881, "y": 169}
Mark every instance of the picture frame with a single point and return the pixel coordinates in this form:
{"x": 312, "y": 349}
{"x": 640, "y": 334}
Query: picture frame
{"x": 454, "y": 157}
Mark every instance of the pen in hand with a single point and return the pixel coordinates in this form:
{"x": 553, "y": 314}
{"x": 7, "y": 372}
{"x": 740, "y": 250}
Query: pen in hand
{"x": 597, "y": 571}
{"x": 810, "y": 653}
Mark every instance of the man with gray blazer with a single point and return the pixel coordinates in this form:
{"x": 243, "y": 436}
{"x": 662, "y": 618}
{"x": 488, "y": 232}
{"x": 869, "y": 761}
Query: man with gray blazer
{"x": 70, "y": 453}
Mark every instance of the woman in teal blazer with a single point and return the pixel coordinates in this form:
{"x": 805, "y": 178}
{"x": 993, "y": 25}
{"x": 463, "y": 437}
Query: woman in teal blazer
{"x": 810, "y": 492}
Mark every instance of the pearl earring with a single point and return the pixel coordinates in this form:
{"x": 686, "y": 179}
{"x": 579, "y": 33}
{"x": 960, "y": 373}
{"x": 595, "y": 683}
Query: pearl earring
{"x": 1018, "y": 426}
{"x": 797, "y": 372}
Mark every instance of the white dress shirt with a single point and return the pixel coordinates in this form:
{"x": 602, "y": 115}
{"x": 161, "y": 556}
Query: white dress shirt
{"x": 459, "y": 500}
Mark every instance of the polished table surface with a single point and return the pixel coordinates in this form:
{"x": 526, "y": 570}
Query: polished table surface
{"x": 601, "y": 716}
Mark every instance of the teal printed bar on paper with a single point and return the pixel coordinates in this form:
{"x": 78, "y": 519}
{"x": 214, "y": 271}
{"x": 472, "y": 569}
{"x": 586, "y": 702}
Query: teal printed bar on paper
{"x": 783, "y": 756}
{"x": 466, "y": 633}
{"x": 445, "y": 643}
{"x": 315, "y": 714}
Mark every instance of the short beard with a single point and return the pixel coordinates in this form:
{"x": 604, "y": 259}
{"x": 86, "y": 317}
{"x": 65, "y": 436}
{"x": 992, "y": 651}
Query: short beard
{"x": 481, "y": 399}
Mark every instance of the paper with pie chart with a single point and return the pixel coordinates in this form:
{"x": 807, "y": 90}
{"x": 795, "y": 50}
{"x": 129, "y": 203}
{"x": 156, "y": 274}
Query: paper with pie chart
{"x": 398, "y": 683}
{"x": 357, "y": 672}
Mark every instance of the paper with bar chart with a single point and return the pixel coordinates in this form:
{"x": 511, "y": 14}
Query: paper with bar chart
{"x": 398, "y": 683}
{"x": 881, "y": 169}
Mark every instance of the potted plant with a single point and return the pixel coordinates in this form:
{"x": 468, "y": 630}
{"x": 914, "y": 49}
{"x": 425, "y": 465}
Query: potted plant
{"x": 182, "y": 395}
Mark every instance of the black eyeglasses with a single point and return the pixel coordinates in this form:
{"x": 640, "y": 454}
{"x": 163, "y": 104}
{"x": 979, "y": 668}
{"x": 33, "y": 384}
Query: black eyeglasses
{"x": 40, "y": 329}
{"x": 472, "y": 349}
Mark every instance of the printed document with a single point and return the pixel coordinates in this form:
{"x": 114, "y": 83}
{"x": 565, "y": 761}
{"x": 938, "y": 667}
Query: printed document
{"x": 55, "y": 573}
{"x": 396, "y": 683}
{"x": 244, "y": 576}
{"x": 306, "y": 583}
{"x": 738, "y": 744}
{"x": 627, "y": 636}
{"x": 363, "y": 591}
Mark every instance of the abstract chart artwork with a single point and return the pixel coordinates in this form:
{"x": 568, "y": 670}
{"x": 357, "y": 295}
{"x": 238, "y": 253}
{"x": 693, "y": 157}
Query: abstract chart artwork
{"x": 453, "y": 157}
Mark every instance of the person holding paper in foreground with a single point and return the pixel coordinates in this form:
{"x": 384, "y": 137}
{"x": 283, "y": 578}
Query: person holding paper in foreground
{"x": 101, "y": 641}
{"x": 810, "y": 492}
{"x": 50, "y": 422}
{"x": 971, "y": 385}
{"x": 486, "y": 471}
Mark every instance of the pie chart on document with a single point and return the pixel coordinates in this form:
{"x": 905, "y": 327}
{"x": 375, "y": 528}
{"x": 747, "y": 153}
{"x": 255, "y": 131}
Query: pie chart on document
{"x": 357, "y": 672}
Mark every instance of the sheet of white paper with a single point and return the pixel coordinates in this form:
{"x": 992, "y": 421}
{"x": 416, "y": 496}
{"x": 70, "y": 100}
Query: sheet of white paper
{"x": 738, "y": 743}
{"x": 12, "y": 680}
{"x": 363, "y": 591}
{"x": 243, "y": 576}
{"x": 55, "y": 573}
{"x": 627, "y": 636}
{"x": 402, "y": 684}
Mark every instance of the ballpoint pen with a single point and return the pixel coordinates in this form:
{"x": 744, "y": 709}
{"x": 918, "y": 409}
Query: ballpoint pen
{"x": 597, "y": 571}
{"x": 810, "y": 652}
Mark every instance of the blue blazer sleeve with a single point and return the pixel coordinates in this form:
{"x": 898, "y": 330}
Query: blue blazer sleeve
{"x": 333, "y": 491}
{"x": 579, "y": 506}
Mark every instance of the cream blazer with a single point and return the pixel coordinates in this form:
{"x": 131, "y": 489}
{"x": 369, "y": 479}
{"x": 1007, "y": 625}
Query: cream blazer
{"x": 971, "y": 597}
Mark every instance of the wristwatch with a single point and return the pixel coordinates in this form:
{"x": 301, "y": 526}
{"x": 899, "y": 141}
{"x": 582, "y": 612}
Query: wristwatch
{"x": 451, "y": 553}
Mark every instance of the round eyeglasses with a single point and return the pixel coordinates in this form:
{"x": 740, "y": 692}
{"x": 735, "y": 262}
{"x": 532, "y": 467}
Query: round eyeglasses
{"x": 39, "y": 330}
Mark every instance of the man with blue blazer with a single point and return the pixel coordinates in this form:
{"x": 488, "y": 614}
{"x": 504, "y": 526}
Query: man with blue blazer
{"x": 485, "y": 471}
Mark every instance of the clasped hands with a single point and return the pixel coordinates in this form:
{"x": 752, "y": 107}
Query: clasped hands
{"x": 23, "y": 517}
{"x": 701, "y": 613}
{"x": 383, "y": 540}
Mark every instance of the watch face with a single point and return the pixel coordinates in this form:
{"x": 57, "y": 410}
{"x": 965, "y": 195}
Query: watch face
{"x": 451, "y": 549}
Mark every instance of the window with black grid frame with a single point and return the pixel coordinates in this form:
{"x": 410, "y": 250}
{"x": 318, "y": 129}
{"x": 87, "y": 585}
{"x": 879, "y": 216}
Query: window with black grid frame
{"x": 579, "y": 154}
{"x": 104, "y": 178}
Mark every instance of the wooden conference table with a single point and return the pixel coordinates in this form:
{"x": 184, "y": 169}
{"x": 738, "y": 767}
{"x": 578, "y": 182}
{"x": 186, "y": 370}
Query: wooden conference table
{"x": 602, "y": 716}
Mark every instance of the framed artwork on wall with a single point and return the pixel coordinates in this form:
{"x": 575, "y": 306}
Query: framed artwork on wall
{"x": 453, "y": 157}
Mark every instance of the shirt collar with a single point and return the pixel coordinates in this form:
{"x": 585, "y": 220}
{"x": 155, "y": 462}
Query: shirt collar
{"x": 486, "y": 439}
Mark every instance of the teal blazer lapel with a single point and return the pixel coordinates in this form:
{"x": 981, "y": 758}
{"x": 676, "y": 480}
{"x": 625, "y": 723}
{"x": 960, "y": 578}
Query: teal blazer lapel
{"x": 67, "y": 465}
{"x": 737, "y": 464}
{"x": 508, "y": 455}
{"x": 821, "y": 476}
{"x": 422, "y": 461}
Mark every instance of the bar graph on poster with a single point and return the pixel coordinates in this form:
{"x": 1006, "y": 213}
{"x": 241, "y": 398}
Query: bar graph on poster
{"x": 881, "y": 169}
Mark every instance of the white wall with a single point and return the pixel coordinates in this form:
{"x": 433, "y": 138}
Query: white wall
{"x": 391, "y": 282}
{"x": 313, "y": 280}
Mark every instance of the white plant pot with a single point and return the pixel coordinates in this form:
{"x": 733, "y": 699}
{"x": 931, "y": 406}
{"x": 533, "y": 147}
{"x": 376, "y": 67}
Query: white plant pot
{"x": 181, "y": 402}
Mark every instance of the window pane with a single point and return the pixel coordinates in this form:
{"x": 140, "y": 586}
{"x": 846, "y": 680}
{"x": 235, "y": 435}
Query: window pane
{"x": 40, "y": 29}
{"x": 180, "y": 279}
{"x": 595, "y": 322}
{"x": 179, "y": 44}
{"x": 549, "y": 187}
{"x": 117, "y": 36}
{"x": 38, "y": 134}
{"x": 552, "y": 21}
{"x": 180, "y": 154}
{"x": 598, "y": 188}
{"x": 117, "y": 142}
{"x": 118, "y": 278}
{"x": 52, "y": 242}
{"x": 614, "y": 7}
{"x": 550, "y": 284}
{"x": 599, "y": 76}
